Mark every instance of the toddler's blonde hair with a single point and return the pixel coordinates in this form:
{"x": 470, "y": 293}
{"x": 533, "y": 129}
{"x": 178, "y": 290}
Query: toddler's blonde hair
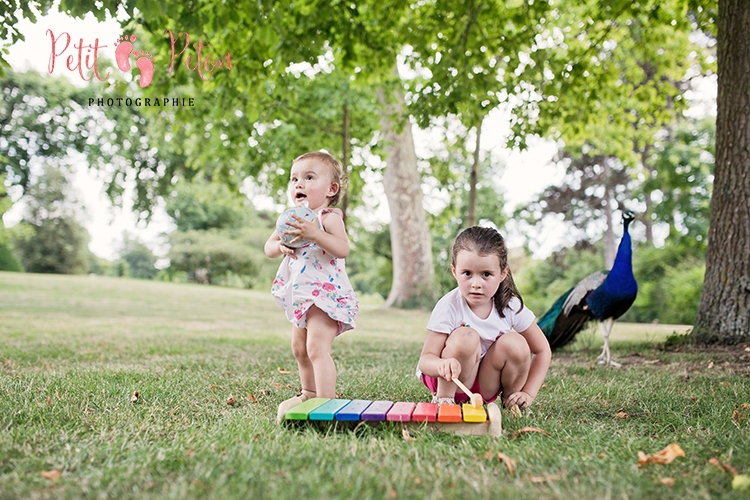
{"x": 338, "y": 176}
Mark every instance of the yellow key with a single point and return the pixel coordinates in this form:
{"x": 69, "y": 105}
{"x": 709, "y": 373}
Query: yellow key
{"x": 472, "y": 414}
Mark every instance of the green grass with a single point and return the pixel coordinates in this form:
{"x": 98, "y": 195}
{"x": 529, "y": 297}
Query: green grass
{"x": 74, "y": 349}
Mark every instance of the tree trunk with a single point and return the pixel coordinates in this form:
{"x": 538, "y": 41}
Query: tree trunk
{"x": 724, "y": 313}
{"x": 345, "y": 147}
{"x": 646, "y": 219}
{"x": 471, "y": 217}
{"x": 610, "y": 248}
{"x": 413, "y": 274}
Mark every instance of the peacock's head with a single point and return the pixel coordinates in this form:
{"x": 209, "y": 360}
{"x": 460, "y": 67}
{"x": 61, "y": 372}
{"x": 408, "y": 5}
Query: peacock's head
{"x": 628, "y": 215}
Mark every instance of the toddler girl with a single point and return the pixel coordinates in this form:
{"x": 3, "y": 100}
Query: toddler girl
{"x": 311, "y": 284}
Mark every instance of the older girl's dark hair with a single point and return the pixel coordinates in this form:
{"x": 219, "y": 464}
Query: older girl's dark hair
{"x": 487, "y": 241}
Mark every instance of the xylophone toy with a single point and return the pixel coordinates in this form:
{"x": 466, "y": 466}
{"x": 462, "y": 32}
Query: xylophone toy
{"x": 460, "y": 419}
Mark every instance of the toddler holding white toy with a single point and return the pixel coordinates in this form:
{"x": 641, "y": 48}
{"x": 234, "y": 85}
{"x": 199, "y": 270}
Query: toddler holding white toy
{"x": 311, "y": 284}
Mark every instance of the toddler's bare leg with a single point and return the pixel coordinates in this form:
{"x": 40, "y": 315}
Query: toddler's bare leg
{"x": 304, "y": 364}
{"x": 321, "y": 330}
{"x": 306, "y": 374}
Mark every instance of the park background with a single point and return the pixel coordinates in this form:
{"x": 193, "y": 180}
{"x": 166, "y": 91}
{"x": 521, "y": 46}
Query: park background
{"x": 551, "y": 201}
{"x": 612, "y": 101}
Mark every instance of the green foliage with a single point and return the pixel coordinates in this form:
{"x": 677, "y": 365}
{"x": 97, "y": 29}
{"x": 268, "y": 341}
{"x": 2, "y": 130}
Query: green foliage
{"x": 49, "y": 239}
{"x": 57, "y": 245}
{"x": 370, "y": 261}
{"x": 8, "y": 259}
{"x": 200, "y": 205}
{"x": 670, "y": 280}
{"x": 682, "y": 182}
{"x": 223, "y": 257}
{"x": 136, "y": 260}
{"x": 45, "y": 119}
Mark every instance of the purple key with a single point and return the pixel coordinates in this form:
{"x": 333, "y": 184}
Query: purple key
{"x": 377, "y": 411}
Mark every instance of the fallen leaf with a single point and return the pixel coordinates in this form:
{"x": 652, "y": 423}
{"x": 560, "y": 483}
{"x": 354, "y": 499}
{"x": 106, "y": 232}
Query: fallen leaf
{"x": 721, "y": 465}
{"x": 621, "y": 414}
{"x": 509, "y": 462}
{"x": 665, "y": 456}
{"x": 281, "y": 386}
{"x": 543, "y": 479}
{"x": 135, "y": 397}
{"x": 251, "y": 397}
{"x": 515, "y": 411}
{"x": 282, "y": 371}
{"x": 745, "y": 406}
{"x": 417, "y": 480}
{"x": 52, "y": 475}
{"x": 392, "y": 494}
{"x": 231, "y": 401}
{"x": 741, "y": 482}
{"x": 667, "y": 481}
{"x": 407, "y": 437}
{"x": 527, "y": 429}
{"x": 710, "y": 365}
{"x": 488, "y": 454}
{"x": 726, "y": 384}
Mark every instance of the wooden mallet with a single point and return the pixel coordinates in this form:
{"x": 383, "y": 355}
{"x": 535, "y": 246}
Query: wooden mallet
{"x": 476, "y": 399}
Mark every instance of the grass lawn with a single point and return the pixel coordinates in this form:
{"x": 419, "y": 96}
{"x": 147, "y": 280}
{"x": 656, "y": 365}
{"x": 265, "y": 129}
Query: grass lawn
{"x": 74, "y": 349}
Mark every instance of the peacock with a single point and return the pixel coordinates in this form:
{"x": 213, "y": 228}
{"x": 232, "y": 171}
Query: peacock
{"x": 603, "y": 296}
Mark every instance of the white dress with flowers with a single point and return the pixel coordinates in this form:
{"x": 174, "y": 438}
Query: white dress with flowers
{"x": 315, "y": 278}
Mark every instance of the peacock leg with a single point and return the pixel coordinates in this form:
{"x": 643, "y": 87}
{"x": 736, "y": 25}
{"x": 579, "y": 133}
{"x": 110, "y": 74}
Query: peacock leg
{"x": 605, "y": 357}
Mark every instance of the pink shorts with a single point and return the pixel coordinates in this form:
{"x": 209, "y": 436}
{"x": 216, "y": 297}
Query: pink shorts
{"x": 460, "y": 397}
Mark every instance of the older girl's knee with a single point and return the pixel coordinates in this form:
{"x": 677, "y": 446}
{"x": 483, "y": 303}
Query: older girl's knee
{"x": 515, "y": 348}
{"x": 463, "y": 340}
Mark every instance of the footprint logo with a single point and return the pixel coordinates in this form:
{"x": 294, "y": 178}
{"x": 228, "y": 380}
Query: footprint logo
{"x": 144, "y": 60}
{"x": 145, "y": 63}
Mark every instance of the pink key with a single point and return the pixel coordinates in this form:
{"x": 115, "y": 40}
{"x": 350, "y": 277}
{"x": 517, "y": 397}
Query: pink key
{"x": 400, "y": 412}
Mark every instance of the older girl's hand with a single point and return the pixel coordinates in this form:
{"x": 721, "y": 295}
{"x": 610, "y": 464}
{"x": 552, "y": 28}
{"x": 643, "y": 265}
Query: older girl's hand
{"x": 449, "y": 368}
{"x": 520, "y": 398}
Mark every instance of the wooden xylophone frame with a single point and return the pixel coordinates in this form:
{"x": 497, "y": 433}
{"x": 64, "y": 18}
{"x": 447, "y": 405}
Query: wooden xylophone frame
{"x": 492, "y": 427}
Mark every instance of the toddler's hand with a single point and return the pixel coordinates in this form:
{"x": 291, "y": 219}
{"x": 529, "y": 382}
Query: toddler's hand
{"x": 285, "y": 250}
{"x": 520, "y": 398}
{"x": 449, "y": 368}
{"x": 303, "y": 230}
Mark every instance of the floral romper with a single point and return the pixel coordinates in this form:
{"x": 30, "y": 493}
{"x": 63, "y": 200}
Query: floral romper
{"x": 315, "y": 278}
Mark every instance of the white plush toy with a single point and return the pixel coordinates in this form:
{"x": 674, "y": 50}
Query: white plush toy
{"x": 286, "y": 216}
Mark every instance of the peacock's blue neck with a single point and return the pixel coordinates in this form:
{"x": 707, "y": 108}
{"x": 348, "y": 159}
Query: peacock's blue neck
{"x": 622, "y": 269}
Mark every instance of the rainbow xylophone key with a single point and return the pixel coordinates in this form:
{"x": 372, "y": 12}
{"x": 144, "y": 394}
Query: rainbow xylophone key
{"x": 380, "y": 411}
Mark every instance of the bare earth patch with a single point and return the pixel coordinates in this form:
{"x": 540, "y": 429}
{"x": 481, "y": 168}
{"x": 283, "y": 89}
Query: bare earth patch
{"x": 732, "y": 359}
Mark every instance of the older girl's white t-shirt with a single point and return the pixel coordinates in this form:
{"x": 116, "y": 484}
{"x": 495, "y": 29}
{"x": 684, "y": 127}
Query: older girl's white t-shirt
{"x": 452, "y": 311}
